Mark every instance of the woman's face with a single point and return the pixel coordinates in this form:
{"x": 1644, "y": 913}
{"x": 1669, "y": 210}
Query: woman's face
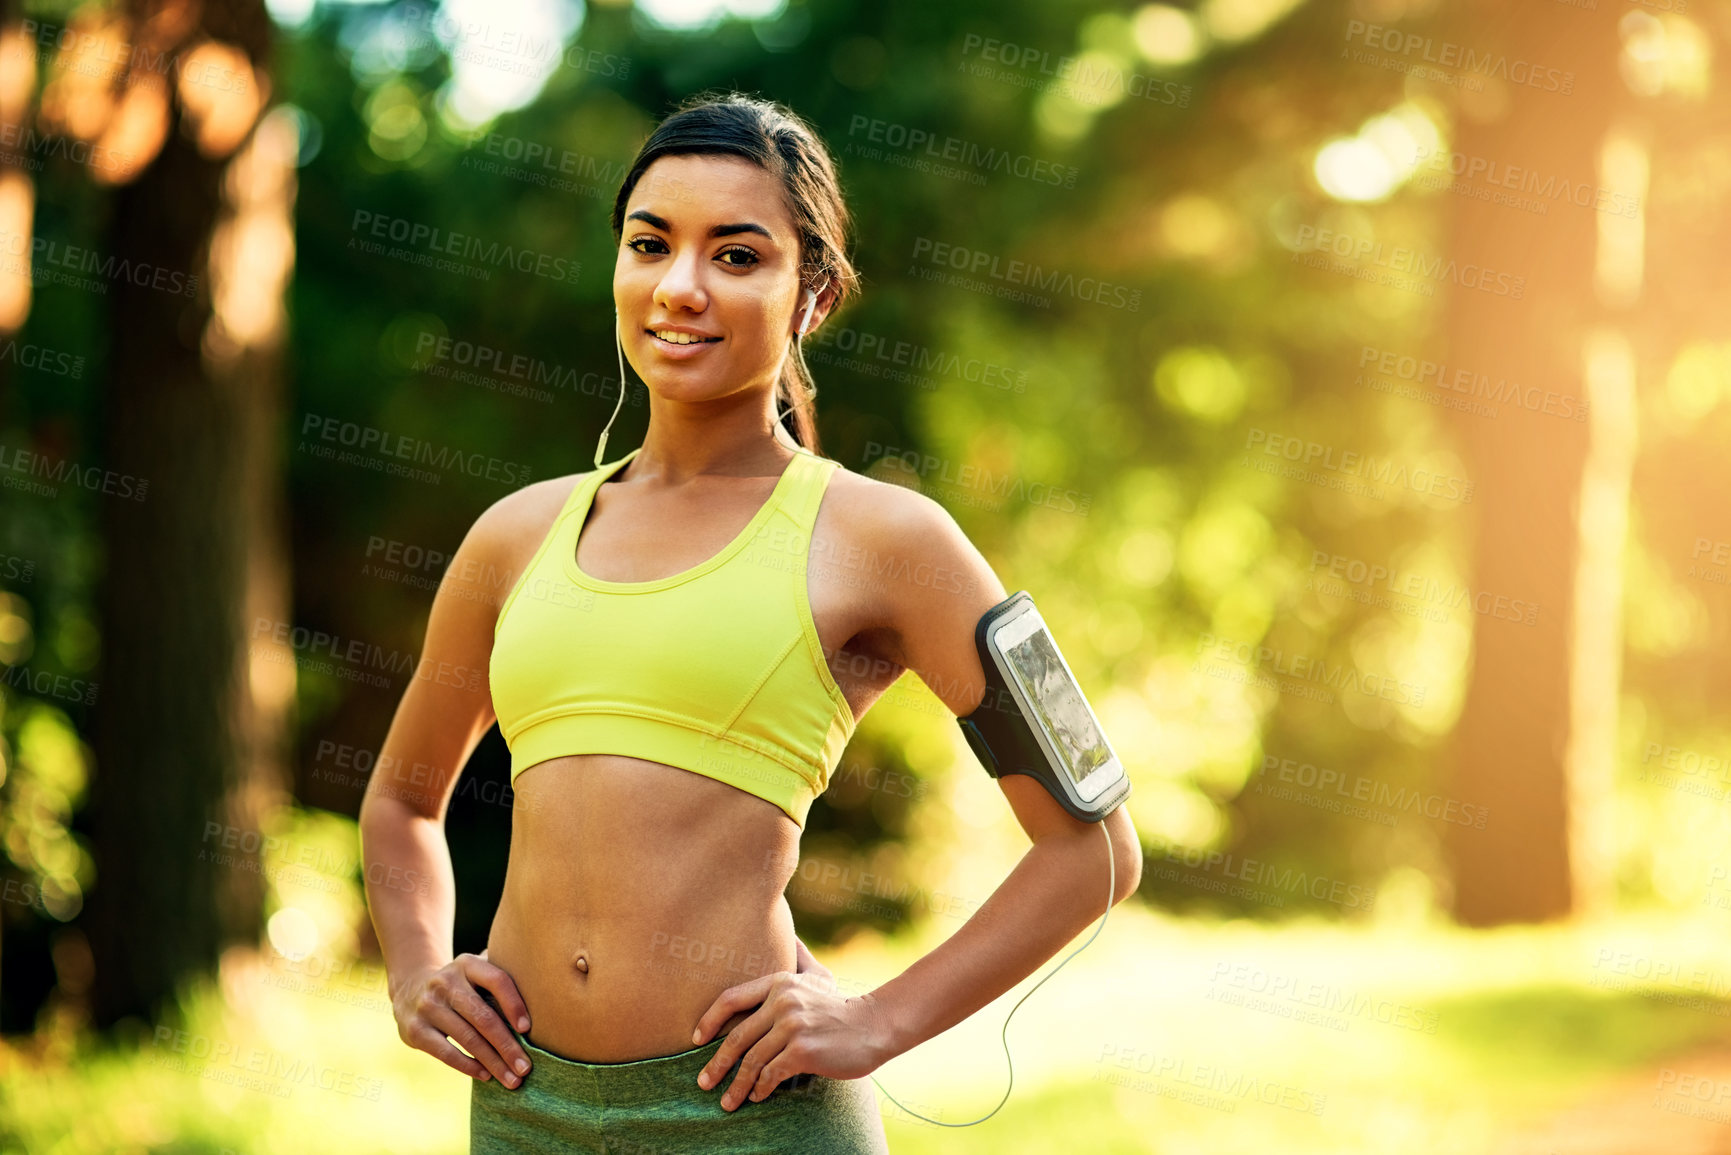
{"x": 708, "y": 251}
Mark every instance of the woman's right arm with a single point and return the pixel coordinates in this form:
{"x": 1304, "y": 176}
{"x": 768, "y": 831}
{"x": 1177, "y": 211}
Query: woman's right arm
{"x": 411, "y": 890}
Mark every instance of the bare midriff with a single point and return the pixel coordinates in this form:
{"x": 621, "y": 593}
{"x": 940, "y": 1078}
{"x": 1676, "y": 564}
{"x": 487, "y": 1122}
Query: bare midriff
{"x": 636, "y": 894}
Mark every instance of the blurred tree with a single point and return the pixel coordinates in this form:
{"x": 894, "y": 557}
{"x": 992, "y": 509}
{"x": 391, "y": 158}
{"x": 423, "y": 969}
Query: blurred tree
{"x": 1510, "y": 750}
{"x": 17, "y": 188}
{"x": 187, "y": 742}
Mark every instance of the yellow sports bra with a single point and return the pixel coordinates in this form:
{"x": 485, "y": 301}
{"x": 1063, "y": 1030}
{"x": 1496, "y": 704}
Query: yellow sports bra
{"x": 717, "y": 670}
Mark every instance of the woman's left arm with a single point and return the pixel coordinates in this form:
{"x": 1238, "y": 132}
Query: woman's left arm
{"x": 1053, "y": 894}
{"x": 1055, "y": 891}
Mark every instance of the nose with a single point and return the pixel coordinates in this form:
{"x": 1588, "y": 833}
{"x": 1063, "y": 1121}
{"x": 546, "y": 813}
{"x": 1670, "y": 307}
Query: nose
{"x": 680, "y": 287}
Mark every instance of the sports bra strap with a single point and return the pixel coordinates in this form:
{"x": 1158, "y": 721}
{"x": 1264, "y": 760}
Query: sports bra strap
{"x": 807, "y": 487}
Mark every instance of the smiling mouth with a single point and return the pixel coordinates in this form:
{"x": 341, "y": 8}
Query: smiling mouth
{"x": 680, "y": 338}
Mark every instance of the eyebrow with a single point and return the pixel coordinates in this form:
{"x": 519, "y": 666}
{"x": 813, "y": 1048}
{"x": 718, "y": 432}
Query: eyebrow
{"x": 718, "y": 231}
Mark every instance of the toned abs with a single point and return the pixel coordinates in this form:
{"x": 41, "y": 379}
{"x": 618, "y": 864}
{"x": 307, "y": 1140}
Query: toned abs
{"x": 637, "y": 892}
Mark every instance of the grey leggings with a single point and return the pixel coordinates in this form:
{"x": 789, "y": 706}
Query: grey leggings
{"x": 655, "y": 1107}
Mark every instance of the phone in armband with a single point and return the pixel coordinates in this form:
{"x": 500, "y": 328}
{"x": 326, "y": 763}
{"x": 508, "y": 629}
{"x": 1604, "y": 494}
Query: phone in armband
{"x": 1034, "y": 718}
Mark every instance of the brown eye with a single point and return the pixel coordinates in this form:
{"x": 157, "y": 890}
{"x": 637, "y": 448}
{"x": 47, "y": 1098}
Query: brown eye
{"x": 750, "y": 258}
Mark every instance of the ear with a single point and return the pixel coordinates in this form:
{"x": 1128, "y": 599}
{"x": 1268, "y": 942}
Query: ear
{"x": 825, "y": 302}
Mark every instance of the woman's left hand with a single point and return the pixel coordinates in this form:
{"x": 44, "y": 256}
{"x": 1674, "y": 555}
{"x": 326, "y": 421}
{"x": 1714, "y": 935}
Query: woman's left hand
{"x": 800, "y": 1026}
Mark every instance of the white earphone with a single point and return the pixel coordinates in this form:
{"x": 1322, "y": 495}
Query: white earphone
{"x": 601, "y": 445}
{"x": 810, "y": 304}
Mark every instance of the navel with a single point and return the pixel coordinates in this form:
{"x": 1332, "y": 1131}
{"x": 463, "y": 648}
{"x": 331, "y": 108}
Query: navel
{"x": 582, "y": 963}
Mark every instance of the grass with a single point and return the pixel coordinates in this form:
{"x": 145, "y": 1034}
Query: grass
{"x": 1164, "y": 1036}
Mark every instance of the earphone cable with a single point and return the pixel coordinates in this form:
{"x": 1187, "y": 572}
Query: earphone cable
{"x": 618, "y": 343}
{"x": 1111, "y": 884}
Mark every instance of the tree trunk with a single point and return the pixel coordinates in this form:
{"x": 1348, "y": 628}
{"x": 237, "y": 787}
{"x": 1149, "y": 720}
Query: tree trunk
{"x": 1510, "y": 749}
{"x": 184, "y": 758}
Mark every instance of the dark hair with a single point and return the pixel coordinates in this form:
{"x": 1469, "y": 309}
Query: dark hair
{"x": 771, "y": 136}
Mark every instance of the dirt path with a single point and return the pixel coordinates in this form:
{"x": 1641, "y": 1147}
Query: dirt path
{"x": 1681, "y": 1107}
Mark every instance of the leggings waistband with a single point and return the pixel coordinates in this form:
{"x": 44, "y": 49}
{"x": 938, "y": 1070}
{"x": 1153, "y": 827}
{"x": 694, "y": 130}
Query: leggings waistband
{"x": 637, "y": 1082}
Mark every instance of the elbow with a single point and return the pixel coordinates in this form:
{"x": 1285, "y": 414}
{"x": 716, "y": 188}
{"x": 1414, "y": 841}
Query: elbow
{"x": 1126, "y": 865}
{"x": 372, "y": 822}
{"x": 368, "y": 815}
{"x": 1128, "y": 877}
{"x": 366, "y": 829}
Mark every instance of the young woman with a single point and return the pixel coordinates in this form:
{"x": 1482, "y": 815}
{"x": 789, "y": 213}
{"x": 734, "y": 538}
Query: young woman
{"x": 674, "y": 671}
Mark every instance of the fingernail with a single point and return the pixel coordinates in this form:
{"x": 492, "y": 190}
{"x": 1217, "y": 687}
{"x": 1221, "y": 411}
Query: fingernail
{"x": 703, "y": 1079}
{"x": 697, "y": 1036}
{"x": 522, "y": 1066}
{"x": 523, "y": 1024}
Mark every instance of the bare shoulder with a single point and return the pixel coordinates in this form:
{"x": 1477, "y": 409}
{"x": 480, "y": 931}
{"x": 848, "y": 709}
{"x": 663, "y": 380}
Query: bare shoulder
{"x": 506, "y": 534}
{"x": 879, "y": 512}
{"x": 536, "y": 504}
{"x": 912, "y": 549}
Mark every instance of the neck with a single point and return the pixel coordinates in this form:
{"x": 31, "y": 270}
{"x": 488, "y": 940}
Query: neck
{"x": 686, "y": 441}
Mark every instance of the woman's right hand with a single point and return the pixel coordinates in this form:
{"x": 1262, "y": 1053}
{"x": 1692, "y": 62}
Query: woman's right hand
{"x": 437, "y": 1002}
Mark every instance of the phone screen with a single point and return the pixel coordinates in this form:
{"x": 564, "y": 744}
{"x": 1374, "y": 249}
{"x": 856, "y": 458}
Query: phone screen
{"x": 1058, "y": 703}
